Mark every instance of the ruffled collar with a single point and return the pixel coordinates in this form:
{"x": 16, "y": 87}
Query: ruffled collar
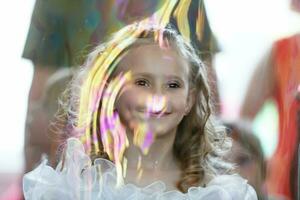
{"x": 79, "y": 179}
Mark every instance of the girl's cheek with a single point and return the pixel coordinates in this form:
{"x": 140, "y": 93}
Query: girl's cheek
{"x": 179, "y": 100}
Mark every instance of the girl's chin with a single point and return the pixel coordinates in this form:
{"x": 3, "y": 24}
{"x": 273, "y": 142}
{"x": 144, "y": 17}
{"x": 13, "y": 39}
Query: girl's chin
{"x": 158, "y": 127}
{"x": 154, "y": 128}
{"x": 163, "y": 131}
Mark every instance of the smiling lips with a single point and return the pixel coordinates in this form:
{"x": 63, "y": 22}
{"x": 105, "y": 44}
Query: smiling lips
{"x": 158, "y": 114}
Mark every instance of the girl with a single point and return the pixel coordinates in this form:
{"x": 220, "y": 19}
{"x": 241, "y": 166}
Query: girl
{"x": 142, "y": 114}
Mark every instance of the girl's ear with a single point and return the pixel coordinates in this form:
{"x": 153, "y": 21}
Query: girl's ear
{"x": 190, "y": 100}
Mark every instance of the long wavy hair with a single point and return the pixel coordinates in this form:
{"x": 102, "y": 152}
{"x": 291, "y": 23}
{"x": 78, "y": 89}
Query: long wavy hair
{"x": 199, "y": 143}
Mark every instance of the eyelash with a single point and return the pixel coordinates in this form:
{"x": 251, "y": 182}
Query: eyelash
{"x": 142, "y": 82}
{"x": 174, "y": 85}
{"x": 145, "y": 83}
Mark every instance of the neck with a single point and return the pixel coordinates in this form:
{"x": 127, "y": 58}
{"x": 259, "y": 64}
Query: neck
{"x": 159, "y": 157}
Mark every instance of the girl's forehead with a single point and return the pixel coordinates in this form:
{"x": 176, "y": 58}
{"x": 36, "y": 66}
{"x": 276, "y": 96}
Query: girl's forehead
{"x": 149, "y": 57}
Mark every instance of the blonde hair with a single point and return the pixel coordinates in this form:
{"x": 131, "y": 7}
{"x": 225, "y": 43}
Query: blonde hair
{"x": 199, "y": 143}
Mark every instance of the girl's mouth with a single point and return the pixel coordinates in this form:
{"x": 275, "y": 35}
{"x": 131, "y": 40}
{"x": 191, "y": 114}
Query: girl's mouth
{"x": 153, "y": 114}
{"x": 158, "y": 114}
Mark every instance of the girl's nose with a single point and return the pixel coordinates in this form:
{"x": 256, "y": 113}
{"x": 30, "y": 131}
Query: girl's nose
{"x": 158, "y": 90}
{"x": 156, "y": 103}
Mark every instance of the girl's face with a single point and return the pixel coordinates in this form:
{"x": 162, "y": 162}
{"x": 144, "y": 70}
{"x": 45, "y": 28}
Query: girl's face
{"x": 158, "y": 93}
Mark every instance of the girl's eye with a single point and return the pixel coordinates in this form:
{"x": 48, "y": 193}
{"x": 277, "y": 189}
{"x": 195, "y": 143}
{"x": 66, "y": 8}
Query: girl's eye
{"x": 144, "y": 83}
{"x": 173, "y": 85}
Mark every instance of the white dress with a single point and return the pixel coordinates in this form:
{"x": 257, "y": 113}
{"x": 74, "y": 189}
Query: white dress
{"x": 81, "y": 180}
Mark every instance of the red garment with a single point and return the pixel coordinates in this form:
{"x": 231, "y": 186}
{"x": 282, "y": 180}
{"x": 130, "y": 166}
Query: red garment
{"x": 282, "y": 166}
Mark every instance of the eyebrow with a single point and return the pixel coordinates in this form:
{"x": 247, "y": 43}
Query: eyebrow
{"x": 143, "y": 74}
{"x": 150, "y": 75}
{"x": 175, "y": 77}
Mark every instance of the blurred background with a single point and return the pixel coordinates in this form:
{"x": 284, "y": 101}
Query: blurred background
{"x": 244, "y": 30}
